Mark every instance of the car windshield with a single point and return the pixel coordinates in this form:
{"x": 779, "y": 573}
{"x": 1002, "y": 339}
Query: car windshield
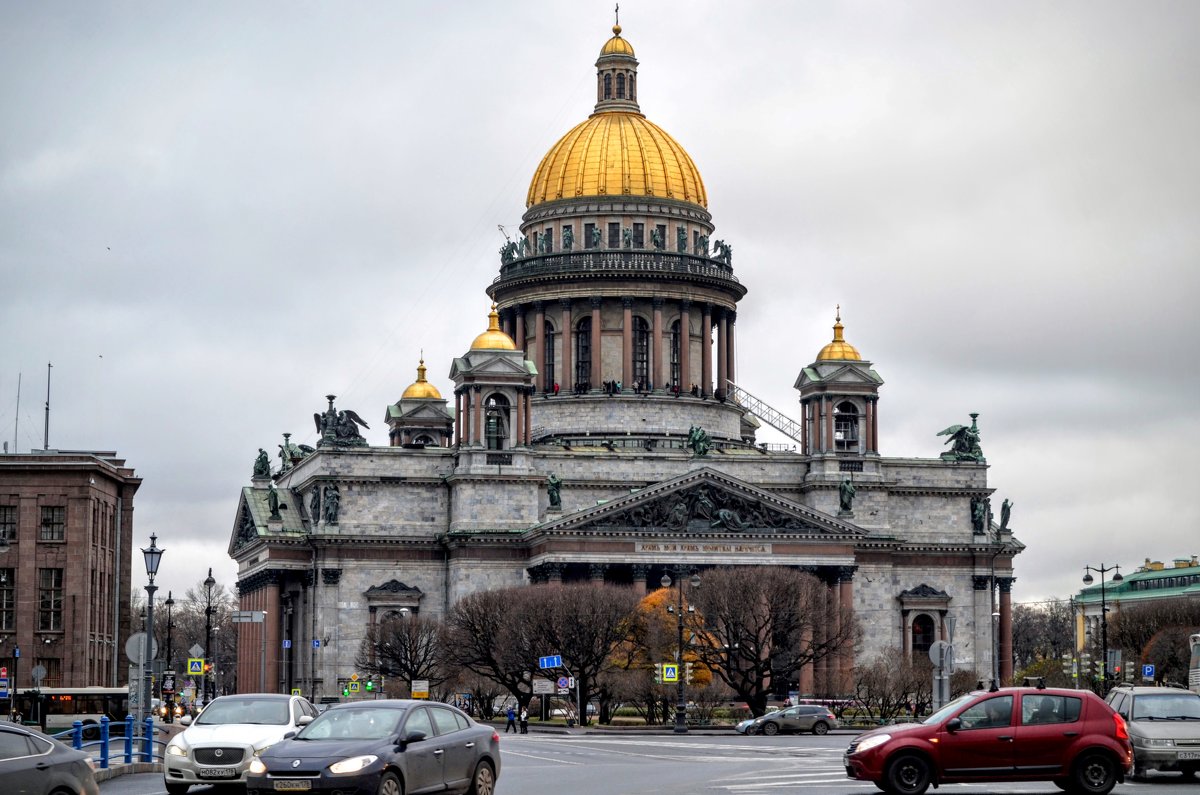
{"x": 948, "y": 710}
{"x": 235, "y": 709}
{"x": 353, "y": 724}
{"x": 1168, "y": 706}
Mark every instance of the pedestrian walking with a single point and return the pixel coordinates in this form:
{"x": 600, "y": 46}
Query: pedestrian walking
{"x": 524, "y": 721}
{"x": 512, "y": 721}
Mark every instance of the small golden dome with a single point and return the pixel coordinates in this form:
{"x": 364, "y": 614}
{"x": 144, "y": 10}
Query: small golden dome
{"x": 839, "y": 350}
{"x": 493, "y": 339}
{"x": 421, "y": 389}
{"x": 616, "y": 45}
{"x": 617, "y": 153}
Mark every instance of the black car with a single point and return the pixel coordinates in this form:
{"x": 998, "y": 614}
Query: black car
{"x": 33, "y": 764}
{"x": 399, "y": 747}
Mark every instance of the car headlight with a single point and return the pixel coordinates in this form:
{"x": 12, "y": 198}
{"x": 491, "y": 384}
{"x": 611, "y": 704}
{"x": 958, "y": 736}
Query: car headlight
{"x": 353, "y": 764}
{"x": 871, "y": 742}
{"x": 1149, "y": 742}
{"x": 257, "y": 767}
{"x": 174, "y": 749}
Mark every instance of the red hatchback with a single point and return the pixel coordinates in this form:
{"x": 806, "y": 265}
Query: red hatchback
{"x": 1070, "y": 737}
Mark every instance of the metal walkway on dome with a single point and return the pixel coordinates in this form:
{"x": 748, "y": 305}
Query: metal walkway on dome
{"x": 773, "y": 417}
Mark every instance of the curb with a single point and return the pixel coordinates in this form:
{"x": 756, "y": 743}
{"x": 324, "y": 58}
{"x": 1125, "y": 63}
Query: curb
{"x": 122, "y": 769}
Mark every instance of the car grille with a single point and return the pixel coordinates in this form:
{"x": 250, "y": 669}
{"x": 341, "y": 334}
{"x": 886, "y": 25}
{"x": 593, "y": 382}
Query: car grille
{"x": 219, "y": 756}
{"x": 1190, "y": 742}
{"x": 853, "y": 747}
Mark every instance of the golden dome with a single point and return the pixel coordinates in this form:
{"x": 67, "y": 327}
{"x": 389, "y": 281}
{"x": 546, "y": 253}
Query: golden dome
{"x": 616, "y": 45}
{"x": 493, "y": 339}
{"x": 421, "y": 389}
{"x": 839, "y": 350}
{"x": 617, "y": 153}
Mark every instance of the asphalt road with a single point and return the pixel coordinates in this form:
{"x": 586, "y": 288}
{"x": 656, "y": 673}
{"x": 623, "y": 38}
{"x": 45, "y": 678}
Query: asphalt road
{"x": 723, "y": 764}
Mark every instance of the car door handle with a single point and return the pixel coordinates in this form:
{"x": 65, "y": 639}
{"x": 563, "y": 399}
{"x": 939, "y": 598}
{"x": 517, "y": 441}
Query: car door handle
{"x": 471, "y": 744}
{"x": 1005, "y": 737}
{"x": 1070, "y": 734}
{"x": 42, "y": 766}
{"x": 438, "y": 752}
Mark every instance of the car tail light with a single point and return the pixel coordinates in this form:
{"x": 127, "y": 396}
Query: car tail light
{"x": 1122, "y": 729}
{"x": 495, "y": 736}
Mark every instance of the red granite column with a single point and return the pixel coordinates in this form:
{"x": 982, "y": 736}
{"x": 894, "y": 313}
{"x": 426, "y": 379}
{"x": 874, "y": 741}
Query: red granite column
{"x": 597, "y": 377}
{"x": 685, "y": 346}
{"x": 506, "y": 322}
{"x": 817, "y": 436}
{"x": 804, "y": 427}
{"x": 828, "y": 424}
{"x": 627, "y": 343}
{"x": 731, "y": 349}
{"x": 706, "y": 384}
{"x": 656, "y": 357}
{"x": 806, "y": 670}
{"x": 875, "y": 425}
{"x": 835, "y": 628}
{"x": 870, "y": 429}
{"x": 528, "y": 418}
{"x": 1006, "y": 657}
{"x": 847, "y": 653}
{"x": 722, "y": 359}
{"x": 539, "y": 345}
{"x": 566, "y": 336}
{"x": 519, "y": 428}
{"x": 478, "y": 427}
{"x": 458, "y": 418}
{"x": 520, "y": 323}
{"x": 640, "y": 572}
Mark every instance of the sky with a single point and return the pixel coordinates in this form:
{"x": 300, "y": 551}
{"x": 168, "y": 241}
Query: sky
{"x": 213, "y": 214}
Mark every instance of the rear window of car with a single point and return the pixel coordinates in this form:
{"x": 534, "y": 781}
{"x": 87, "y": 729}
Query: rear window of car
{"x": 1038, "y": 709}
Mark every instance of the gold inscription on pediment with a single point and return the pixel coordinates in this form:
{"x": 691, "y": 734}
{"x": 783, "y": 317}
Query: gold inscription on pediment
{"x": 659, "y": 548}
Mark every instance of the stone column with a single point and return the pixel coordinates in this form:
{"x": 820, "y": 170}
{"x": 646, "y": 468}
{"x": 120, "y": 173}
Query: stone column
{"x": 817, "y": 436}
{"x": 846, "y": 597}
{"x": 506, "y": 322}
{"x": 875, "y": 424}
{"x": 821, "y": 672}
{"x": 554, "y": 572}
{"x": 597, "y": 378}
{"x": 905, "y": 633}
{"x": 706, "y": 350}
{"x": 1006, "y": 657}
{"x": 828, "y": 424}
{"x": 722, "y": 359}
{"x": 834, "y": 681}
{"x": 869, "y": 431}
{"x": 566, "y": 335}
{"x": 519, "y": 312}
{"x": 731, "y": 350}
{"x": 640, "y": 572}
{"x": 685, "y": 347}
{"x": 518, "y": 429}
{"x": 458, "y": 418}
{"x": 806, "y": 670}
{"x": 656, "y": 358}
{"x": 804, "y": 420}
{"x": 627, "y": 343}
{"x": 528, "y": 418}
{"x": 597, "y": 571}
{"x": 539, "y": 345}
{"x": 477, "y": 399}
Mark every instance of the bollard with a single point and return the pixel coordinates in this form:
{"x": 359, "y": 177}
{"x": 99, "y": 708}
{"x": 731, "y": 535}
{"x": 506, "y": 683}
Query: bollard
{"x": 128, "y": 739}
{"x": 148, "y": 740}
{"x": 77, "y": 735}
{"x": 104, "y": 742}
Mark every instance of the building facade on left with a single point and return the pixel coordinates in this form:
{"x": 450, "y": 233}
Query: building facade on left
{"x": 66, "y": 532}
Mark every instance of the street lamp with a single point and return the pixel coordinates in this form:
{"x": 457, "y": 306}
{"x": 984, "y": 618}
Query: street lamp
{"x": 171, "y": 702}
{"x": 209, "y": 582}
{"x": 677, "y": 609}
{"x": 153, "y": 556}
{"x": 1087, "y": 580}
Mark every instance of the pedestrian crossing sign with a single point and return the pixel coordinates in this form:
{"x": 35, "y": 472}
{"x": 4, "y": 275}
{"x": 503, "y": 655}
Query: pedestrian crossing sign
{"x": 670, "y": 672}
{"x": 354, "y": 687}
{"x": 195, "y": 665}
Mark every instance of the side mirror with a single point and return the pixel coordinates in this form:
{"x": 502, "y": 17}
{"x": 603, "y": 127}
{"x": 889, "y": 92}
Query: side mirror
{"x": 289, "y": 735}
{"x": 953, "y": 725}
{"x": 186, "y": 720}
{"x": 304, "y": 720}
{"x": 414, "y": 736}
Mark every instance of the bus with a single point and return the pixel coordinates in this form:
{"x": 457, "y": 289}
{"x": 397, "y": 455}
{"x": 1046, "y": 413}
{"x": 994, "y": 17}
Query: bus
{"x": 55, "y": 709}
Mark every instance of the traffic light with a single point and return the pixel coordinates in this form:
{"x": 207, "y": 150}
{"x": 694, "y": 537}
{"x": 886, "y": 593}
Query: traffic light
{"x": 687, "y": 675}
{"x": 371, "y": 685}
{"x": 346, "y": 689}
{"x": 658, "y": 673}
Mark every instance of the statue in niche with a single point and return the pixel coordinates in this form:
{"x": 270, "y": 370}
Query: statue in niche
{"x": 681, "y": 240}
{"x": 522, "y": 247}
{"x": 1005, "y": 514}
{"x": 594, "y": 241}
{"x": 846, "y": 493}
{"x": 724, "y": 252}
{"x": 553, "y": 487}
{"x": 963, "y": 441}
{"x": 339, "y": 427}
{"x": 568, "y": 239}
{"x": 699, "y": 441}
{"x": 980, "y": 507}
{"x": 727, "y": 518}
{"x": 314, "y": 505}
{"x": 656, "y": 240}
{"x": 333, "y": 501}
{"x": 627, "y": 237}
{"x": 262, "y": 464}
{"x": 273, "y": 502}
{"x": 702, "y": 245}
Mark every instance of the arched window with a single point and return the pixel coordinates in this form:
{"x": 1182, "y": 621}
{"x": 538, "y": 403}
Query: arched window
{"x": 548, "y": 376}
{"x": 641, "y": 351}
{"x": 583, "y": 354}
{"x": 608, "y": 86}
{"x": 425, "y": 439}
{"x": 496, "y": 422}
{"x": 922, "y": 634}
{"x": 676, "y": 339}
{"x": 620, "y": 86}
{"x": 632, "y": 89}
{"x": 845, "y": 427}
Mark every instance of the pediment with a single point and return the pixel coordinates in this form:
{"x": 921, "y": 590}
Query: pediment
{"x": 421, "y": 411}
{"x": 253, "y": 519}
{"x": 843, "y": 374}
{"x": 392, "y": 588}
{"x": 704, "y": 501}
{"x": 490, "y": 364}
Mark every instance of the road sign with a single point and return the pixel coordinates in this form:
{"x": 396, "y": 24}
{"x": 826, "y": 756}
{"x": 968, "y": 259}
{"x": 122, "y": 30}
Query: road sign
{"x": 355, "y": 686}
{"x": 420, "y": 688}
{"x": 287, "y": 644}
{"x": 4, "y": 687}
{"x": 196, "y": 651}
{"x": 562, "y": 691}
{"x": 248, "y": 616}
{"x": 353, "y": 677}
{"x": 670, "y": 672}
{"x": 195, "y": 665}
{"x": 542, "y": 687}
{"x": 296, "y": 691}
{"x": 553, "y": 661}
{"x": 1148, "y": 672}
{"x": 135, "y": 648}
{"x": 563, "y": 683}
{"x": 3, "y": 671}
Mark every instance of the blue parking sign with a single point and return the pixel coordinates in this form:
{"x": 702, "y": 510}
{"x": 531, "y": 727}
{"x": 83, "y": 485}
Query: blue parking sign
{"x": 1148, "y": 671}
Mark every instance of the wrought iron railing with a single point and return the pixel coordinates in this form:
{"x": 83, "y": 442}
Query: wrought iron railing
{"x": 616, "y": 261}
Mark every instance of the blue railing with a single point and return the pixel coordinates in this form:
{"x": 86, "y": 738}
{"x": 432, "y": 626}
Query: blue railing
{"x": 148, "y": 748}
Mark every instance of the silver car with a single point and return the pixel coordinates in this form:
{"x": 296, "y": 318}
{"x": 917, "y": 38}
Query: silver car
{"x": 803, "y": 718}
{"x": 219, "y": 745}
{"x": 1164, "y": 727}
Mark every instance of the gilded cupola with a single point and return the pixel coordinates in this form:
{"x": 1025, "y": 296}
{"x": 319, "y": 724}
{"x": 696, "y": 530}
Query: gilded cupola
{"x": 421, "y": 389}
{"x": 493, "y": 339}
{"x": 839, "y": 350}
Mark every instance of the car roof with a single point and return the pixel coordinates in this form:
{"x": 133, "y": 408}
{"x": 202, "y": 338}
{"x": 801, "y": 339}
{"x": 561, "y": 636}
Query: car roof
{"x": 387, "y": 703}
{"x": 1144, "y": 690}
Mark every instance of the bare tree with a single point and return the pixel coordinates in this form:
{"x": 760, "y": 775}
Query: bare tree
{"x": 412, "y": 647}
{"x": 1157, "y": 633}
{"x": 492, "y": 634}
{"x": 1044, "y": 631}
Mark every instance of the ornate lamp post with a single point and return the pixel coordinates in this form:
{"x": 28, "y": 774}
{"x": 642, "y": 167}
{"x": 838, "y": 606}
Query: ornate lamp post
{"x": 153, "y": 556}
{"x": 677, "y": 609}
{"x": 209, "y": 582}
{"x": 170, "y": 603}
{"x": 1087, "y": 580}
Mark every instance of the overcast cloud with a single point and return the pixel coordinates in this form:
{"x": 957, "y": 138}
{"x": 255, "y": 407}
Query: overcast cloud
{"x": 211, "y": 215}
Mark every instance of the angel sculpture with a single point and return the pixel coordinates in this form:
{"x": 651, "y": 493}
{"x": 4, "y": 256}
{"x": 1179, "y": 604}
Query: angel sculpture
{"x": 339, "y": 427}
{"x": 964, "y": 441}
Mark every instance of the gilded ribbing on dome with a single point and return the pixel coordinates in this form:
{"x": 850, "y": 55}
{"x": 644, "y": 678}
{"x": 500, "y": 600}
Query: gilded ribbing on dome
{"x": 839, "y": 350}
{"x": 421, "y": 389}
{"x": 617, "y": 154}
{"x": 493, "y": 339}
{"x": 616, "y": 45}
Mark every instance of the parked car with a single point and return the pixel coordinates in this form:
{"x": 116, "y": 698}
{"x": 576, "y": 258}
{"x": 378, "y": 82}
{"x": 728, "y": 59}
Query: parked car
{"x": 388, "y": 747}
{"x": 217, "y": 747}
{"x": 33, "y": 764}
{"x": 1164, "y": 726}
{"x": 1069, "y": 737}
{"x": 803, "y": 718}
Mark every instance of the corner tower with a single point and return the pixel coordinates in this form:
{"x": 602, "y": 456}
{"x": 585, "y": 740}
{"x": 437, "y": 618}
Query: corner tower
{"x": 615, "y": 285}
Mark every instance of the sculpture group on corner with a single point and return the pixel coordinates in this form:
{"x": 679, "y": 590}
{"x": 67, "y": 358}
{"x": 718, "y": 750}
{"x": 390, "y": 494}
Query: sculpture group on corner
{"x": 963, "y": 441}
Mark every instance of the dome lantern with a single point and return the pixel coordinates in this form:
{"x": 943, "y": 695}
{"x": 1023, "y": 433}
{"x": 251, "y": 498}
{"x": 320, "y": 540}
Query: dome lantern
{"x": 616, "y": 76}
{"x": 839, "y": 350}
{"x": 493, "y": 339}
{"x": 421, "y": 389}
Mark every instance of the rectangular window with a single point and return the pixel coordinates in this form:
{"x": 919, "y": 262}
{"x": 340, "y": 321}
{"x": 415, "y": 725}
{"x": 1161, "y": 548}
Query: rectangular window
{"x": 8, "y": 600}
{"x": 54, "y": 523}
{"x": 50, "y": 600}
{"x": 614, "y": 235}
{"x": 8, "y": 522}
{"x": 53, "y": 677}
{"x": 589, "y": 236}
{"x": 549, "y": 233}
{"x": 639, "y": 235}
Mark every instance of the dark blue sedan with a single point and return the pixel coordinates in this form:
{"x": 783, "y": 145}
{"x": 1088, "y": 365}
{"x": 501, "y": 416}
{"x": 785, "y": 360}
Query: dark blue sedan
{"x": 382, "y": 748}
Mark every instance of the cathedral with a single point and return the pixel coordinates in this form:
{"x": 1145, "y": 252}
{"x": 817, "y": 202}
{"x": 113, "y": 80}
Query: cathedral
{"x": 598, "y": 432}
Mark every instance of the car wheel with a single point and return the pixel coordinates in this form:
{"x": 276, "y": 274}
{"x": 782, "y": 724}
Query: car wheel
{"x": 907, "y": 774}
{"x": 1095, "y": 774}
{"x": 820, "y": 727}
{"x": 770, "y": 729}
{"x": 91, "y": 731}
{"x": 484, "y": 780}
{"x": 390, "y": 785}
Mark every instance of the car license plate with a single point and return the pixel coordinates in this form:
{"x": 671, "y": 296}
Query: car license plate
{"x": 217, "y": 772}
{"x": 292, "y": 785}
{"x": 1189, "y": 755}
